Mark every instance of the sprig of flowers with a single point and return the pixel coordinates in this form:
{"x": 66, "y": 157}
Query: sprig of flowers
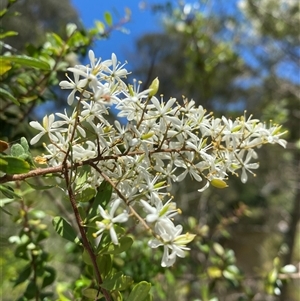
{"x": 162, "y": 142}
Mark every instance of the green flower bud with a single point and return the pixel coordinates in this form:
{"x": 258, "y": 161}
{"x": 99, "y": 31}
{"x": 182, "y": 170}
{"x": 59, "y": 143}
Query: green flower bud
{"x": 154, "y": 87}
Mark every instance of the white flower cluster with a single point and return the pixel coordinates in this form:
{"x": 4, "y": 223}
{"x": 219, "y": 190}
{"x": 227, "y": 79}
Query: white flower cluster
{"x": 162, "y": 142}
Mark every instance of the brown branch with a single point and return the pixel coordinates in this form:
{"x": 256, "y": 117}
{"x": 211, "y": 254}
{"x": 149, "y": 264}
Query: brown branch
{"x": 85, "y": 241}
{"x": 60, "y": 168}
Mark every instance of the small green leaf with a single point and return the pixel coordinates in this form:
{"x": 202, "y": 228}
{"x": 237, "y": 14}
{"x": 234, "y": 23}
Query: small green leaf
{"x": 102, "y": 198}
{"x": 104, "y": 264}
{"x": 86, "y": 257}
{"x": 90, "y": 293}
{"x": 214, "y": 272}
{"x": 24, "y": 144}
{"x": 21, "y": 252}
{"x": 6, "y": 94}
{"x": 140, "y": 292}
{"x": 71, "y": 28}
{"x": 49, "y": 276}
{"x": 3, "y": 12}
{"x": 108, "y": 18}
{"x": 26, "y": 61}
{"x": 99, "y": 28}
{"x": 8, "y": 34}
{"x": 17, "y": 150}
{"x": 218, "y": 249}
{"x": 31, "y": 290}
{"x": 12, "y": 165}
{"x": 64, "y": 229}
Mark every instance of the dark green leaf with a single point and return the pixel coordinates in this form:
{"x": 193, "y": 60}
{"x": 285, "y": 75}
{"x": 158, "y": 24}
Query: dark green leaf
{"x": 21, "y": 252}
{"x": 27, "y": 61}
{"x": 31, "y": 290}
{"x": 64, "y": 229}
{"x": 8, "y": 192}
{"x": 23, "y": 276}
{"x": 102, "y": 198}
{"x": 104, "y": 264}
{"x": 140, "y": 292}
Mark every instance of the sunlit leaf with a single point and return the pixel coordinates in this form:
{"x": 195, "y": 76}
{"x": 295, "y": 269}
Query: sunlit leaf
{"x": 9, "y": 33}
{"x": 108, "y": 18}
{"x": 90, "y": 293}
{"x": 214, "y": 272}
{"x": 64, "y": 229}
{"x": 140, "y": 292}
{"x": 117, "y": 282}
{"x": 85, "y": 195}
{"x": 218, "y": 249}
{"x": 12, "y": 165}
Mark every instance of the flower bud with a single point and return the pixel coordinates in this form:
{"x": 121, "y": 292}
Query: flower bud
{"x": 154, "y": 87}
{"x": 218, "y": 183}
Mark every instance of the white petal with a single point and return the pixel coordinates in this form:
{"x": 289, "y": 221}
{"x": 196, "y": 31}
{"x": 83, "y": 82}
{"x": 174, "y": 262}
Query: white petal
{"x": 113, "y": 235}
{"x": 121, "y": 218}
{"x": 36, "y": 138}
{"x": 36, "y": 125}
{"x": 154, "y": 243}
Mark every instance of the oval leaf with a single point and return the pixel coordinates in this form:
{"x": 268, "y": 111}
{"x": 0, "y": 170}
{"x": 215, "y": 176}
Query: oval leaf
{"x": 140, "y": 292}
{"x": 12, "y": 165}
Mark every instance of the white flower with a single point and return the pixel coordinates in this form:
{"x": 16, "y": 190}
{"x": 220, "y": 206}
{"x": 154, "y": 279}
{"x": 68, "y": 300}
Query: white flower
{"x": 76, "y": 85}
{"x": 171, "y": 239}
{"x": 45, "y": 128}
{"x": 160, "y": 211}
{"x": 110, "y": 220}
{"x": 246, "y": 166}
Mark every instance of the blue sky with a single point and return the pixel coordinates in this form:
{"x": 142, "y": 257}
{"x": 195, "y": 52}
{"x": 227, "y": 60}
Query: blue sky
{"x": 141, "y": 21}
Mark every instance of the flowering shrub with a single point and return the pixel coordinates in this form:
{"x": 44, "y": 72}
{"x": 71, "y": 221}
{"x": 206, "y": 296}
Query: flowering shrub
{"x": 124, "y": 171}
